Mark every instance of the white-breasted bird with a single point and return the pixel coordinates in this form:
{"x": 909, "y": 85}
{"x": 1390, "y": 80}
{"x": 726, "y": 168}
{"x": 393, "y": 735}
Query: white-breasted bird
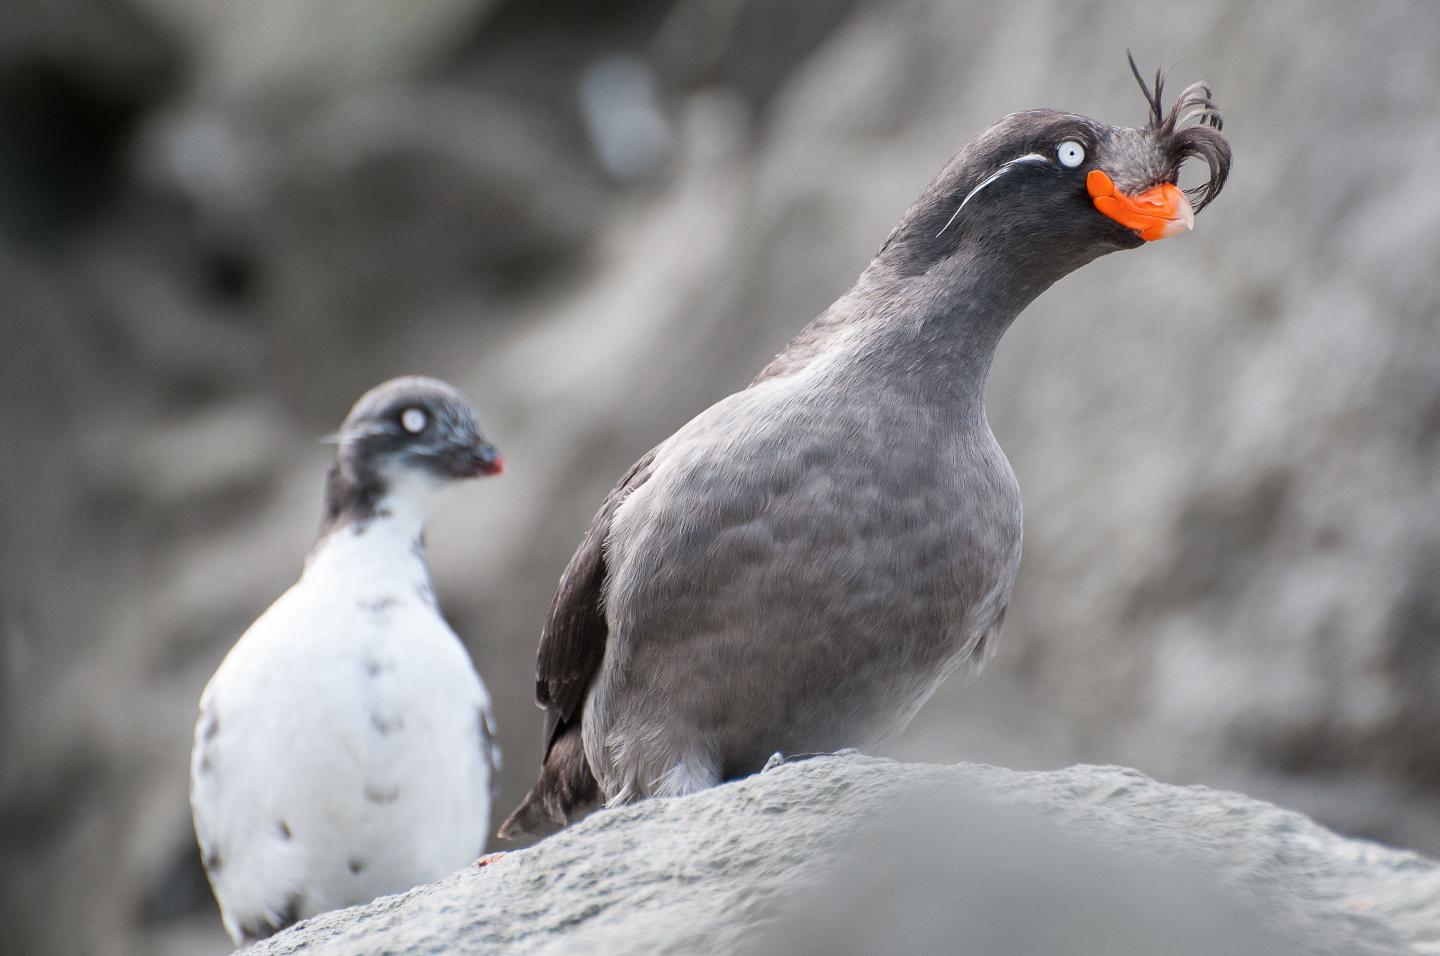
{"x": 345, "y": 747}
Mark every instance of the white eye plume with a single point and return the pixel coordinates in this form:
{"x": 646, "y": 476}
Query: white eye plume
{"x": 414, "y": 420}
{"x": 1028, "y": 158}
{"x": 1070, "y": 154}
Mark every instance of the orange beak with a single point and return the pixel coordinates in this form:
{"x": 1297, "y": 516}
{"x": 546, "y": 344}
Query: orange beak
{"x": 1157, "y": 213}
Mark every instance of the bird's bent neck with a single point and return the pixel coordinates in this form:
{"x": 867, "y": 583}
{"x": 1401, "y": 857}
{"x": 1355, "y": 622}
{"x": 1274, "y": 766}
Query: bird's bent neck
{"x": 931, "y": 336}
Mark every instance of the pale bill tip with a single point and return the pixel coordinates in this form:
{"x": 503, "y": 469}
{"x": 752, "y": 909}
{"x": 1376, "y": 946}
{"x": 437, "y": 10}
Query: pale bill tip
{"x": 1184, "y": 220}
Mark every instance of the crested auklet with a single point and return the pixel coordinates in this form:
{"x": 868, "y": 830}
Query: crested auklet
{"x": 798, "y": 568}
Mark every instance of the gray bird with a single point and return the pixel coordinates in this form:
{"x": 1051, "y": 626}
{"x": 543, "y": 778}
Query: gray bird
{"x": 798, "y": 568}
{"x": 345, "y": 747}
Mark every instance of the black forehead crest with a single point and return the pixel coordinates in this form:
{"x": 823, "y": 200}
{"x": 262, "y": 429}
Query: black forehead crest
{"x": 1191, "y": 127}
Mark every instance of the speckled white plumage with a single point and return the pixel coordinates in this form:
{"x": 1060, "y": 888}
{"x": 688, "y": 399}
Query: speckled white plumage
{"x": 345, "y": 748}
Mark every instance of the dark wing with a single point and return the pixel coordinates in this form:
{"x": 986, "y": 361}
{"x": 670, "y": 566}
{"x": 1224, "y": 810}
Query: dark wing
{"x": 571, "y": 649}
{"x": 573, "y": 642}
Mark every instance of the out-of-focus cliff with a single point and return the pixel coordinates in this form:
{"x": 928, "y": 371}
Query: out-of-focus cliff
{"x": 220, "y": 223}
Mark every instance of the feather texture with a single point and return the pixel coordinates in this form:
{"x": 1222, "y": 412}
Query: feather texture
{"x": 1191, "y": 128}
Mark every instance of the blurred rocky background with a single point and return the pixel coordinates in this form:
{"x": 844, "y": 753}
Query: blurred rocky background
{"x": 219, "y": 223}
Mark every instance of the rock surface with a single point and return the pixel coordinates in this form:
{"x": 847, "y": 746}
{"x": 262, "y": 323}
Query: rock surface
{"x": 858, "y": 854}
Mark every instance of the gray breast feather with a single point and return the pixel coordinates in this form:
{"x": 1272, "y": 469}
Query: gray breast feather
{"x": 807, "y": 579}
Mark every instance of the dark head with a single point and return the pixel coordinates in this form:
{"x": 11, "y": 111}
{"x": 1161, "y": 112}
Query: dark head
{"x": 1048, "y": 191}
{"x": 404, "y": 441}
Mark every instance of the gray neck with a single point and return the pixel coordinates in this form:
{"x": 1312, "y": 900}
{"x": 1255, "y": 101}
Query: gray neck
{"x": 931, "y": 337}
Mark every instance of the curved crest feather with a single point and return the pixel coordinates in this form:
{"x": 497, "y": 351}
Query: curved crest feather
{"x": 1190, "y": 128}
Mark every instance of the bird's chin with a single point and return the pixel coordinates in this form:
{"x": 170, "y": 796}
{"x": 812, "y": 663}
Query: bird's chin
{"x": 1120, "y": 237}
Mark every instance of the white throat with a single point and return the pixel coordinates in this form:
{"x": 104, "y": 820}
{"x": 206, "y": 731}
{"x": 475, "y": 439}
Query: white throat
{"x": 411, "y": 497}
{"x": 387, "y": 544}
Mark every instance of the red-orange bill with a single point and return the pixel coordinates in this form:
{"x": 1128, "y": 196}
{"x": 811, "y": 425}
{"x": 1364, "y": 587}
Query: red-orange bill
{"x": 1157, "y": 213}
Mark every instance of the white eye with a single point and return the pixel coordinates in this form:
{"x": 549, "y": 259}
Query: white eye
{"x": 413, "y": 420}
{"x": 1071, "y": 153}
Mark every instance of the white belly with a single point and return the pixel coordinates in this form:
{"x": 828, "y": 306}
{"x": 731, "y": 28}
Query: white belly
{"x": 342, "y": 753}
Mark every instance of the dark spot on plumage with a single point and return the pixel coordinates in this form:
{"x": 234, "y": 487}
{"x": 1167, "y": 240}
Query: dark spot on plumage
{"x": 293, "y": 905}
{"x": 373, "y": 668}
{"x": 426, "y": 593}
{"x": 355, "y": 864}
{"x": 265, "y": 927}
{"x": 284, "y": 829}
{"x": 378, "y": 607}
{"x": 385, "y": 726}
{"x": 212, "y": 861}
{"x": 205, "y": 766}
{"x": 211, "y": 727}
{"x": 377, "y": 794}
{"x": 350, "y": 498}
{"x": 417, "y": 547}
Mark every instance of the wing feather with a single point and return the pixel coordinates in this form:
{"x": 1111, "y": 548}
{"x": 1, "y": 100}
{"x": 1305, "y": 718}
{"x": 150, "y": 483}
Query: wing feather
{"x": 572, "y": 644}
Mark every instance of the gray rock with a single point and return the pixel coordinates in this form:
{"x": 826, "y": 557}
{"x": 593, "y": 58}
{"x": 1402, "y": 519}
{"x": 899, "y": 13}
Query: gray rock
{"x": 859, "y": 854}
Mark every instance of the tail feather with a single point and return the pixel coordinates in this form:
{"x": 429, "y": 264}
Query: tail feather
{"x": 565, "y": 792}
